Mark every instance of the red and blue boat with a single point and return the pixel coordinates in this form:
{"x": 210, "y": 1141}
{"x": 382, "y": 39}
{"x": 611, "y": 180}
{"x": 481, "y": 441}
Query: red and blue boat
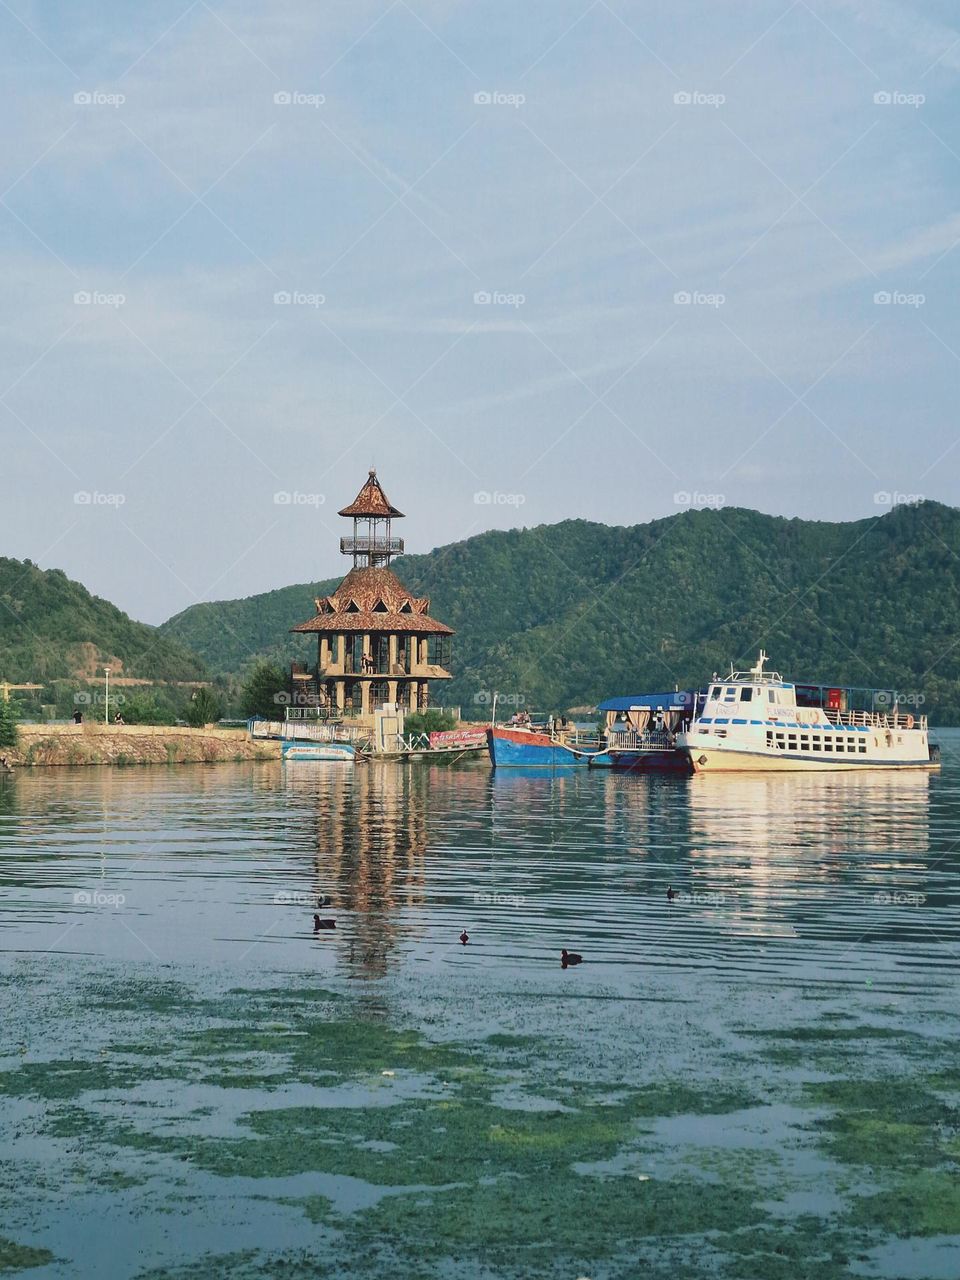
{"x": 542, "y": 746}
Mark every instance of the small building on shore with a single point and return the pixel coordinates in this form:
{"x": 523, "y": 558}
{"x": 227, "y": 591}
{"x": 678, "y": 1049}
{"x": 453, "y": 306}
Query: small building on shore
{"x": 376, "y": 643}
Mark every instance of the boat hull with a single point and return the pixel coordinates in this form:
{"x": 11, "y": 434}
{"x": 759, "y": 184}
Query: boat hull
{"x": 706, "y": 760}
{"x": 523, "y": 747}
{"x": 658, "y": 761}
{"x": 342, "y": 752}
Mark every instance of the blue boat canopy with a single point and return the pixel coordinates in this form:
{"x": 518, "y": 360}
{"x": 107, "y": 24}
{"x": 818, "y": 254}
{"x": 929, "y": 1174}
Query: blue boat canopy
{"x": 682, "y": 701}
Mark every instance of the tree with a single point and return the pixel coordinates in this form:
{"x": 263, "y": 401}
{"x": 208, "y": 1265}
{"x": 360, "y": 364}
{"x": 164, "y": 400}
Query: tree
{"x": 8, "y": 724}
{"x": 143, "y": 708}
{"x": 204, "y": 708}
{"x": 259, "y": 696}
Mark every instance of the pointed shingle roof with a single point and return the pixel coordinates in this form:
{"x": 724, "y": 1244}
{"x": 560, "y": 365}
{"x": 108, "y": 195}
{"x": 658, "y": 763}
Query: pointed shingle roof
{"x": 373, "y": 600}
{"x": 372, "y": 501}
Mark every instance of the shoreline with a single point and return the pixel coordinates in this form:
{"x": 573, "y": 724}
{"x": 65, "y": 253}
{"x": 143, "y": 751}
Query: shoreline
{"x": 56, "y": 745}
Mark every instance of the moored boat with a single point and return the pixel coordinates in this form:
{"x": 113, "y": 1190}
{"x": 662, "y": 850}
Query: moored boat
{"x": 536, "y": 745}
{"x": 756, "y": 720}
{"x": 641, "y": 731}
{"x": 338, "y": 751}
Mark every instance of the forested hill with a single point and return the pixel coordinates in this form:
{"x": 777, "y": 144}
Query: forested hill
{"x": 563, "y": 615}
{"x": 52, "y": 628}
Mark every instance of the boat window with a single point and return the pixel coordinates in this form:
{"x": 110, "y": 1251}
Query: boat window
{"x": 729, "y": 695}
{"x": 815, "y": 744}
{"x": 746, "y": 694}
{"x": 716, "y": 691}
{"x": 862, "y": 747}
{"x": 771, "y": 695}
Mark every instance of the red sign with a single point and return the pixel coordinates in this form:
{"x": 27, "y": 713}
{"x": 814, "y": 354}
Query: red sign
{"x": 458, "y": 738}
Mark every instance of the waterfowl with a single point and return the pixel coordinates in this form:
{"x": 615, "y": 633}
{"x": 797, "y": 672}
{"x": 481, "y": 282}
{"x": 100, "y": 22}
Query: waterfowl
{"x": 570, "y": 957}
{"x": 325, "y": 901}
{"x": 464, "y": 937}
{"x": 671, "y": 893}
{"x": 319, "y": 924}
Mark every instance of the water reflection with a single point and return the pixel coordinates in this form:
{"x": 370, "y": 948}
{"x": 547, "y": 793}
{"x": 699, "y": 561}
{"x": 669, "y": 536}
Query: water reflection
{"x": 369, "y": 830}
{"x": 222, "y": 866}
{"x": 8, "y": 793}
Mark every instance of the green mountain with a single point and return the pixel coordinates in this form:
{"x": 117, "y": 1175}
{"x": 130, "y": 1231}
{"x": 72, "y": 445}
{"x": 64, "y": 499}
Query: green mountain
{"x": 564, "y": 615}
{"x": 52, "y": 628}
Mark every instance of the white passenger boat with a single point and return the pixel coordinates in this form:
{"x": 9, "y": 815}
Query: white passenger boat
{"x": 756, "y": 720}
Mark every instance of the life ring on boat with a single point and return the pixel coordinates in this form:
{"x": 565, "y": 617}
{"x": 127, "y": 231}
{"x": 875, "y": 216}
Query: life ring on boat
{"x": 909, "y": 722}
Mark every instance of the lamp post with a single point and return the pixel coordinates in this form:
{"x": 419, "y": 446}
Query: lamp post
{"x": 106, "y": 695}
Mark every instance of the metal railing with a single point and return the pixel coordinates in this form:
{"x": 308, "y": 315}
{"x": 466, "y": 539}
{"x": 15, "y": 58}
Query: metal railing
{"x": 321, "y": 713}
{"x": 655, "y": 740}
{"x": 372, "y": 546}
{"x": 299, "y": 730}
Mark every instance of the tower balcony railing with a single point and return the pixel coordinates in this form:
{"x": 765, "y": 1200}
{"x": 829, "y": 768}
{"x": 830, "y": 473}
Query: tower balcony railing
{"x": 371, "y": 546}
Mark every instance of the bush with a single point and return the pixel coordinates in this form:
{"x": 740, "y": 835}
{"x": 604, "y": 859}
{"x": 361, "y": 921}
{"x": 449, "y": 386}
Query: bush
{"x": 430, "y": 721}
{"x": 204, "y": 708}
{"x": 258, "y": 696}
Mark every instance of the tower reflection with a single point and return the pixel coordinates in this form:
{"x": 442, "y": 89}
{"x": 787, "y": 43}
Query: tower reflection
{"x": 373, "y": 835}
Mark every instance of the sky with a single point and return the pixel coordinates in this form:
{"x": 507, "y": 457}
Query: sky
{"x": 533, "y": 261}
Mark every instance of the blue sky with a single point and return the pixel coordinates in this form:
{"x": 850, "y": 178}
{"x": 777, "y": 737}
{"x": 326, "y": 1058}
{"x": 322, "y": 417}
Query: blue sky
{"x": 544, "y": 260}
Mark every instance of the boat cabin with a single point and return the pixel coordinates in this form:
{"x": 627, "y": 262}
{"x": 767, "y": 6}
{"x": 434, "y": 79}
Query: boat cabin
{"x": 631, "y": 721}
{"x": 758, "y": 696}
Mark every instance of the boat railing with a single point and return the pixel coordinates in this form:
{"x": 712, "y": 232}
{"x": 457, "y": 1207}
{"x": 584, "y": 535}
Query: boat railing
{"x": 653, "y": 740}
{"x": 876, "y": 719}
{"x": 577, "y": 737}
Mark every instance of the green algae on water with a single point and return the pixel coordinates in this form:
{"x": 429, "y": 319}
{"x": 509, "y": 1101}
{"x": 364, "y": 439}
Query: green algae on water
{"x": 894, "y": 1124}
{"x": 806, "y": 1248}
{"x": 563, "y": 1213}
{"x": 21, "y": 1257}
{"x": 927, "y": 1204}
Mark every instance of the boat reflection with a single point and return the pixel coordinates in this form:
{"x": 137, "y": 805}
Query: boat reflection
{"x": 777, "y": 855}
{"x": 412, "y": 854}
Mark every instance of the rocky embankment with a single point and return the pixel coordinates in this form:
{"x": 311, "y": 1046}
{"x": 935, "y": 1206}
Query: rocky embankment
{"x": 77, "y": 744}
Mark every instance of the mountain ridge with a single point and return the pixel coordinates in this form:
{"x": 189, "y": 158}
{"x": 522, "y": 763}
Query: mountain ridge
{"x": 53, "y": 628}
{"x": 565, "y": 614}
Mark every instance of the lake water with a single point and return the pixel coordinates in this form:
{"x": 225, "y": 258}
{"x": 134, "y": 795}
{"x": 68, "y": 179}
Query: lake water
{"x": 759, "y": 1078}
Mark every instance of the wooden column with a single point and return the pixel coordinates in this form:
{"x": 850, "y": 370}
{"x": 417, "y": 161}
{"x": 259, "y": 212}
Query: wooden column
{"x": 341, "y": 695}
{"x": 391, "y": 653}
